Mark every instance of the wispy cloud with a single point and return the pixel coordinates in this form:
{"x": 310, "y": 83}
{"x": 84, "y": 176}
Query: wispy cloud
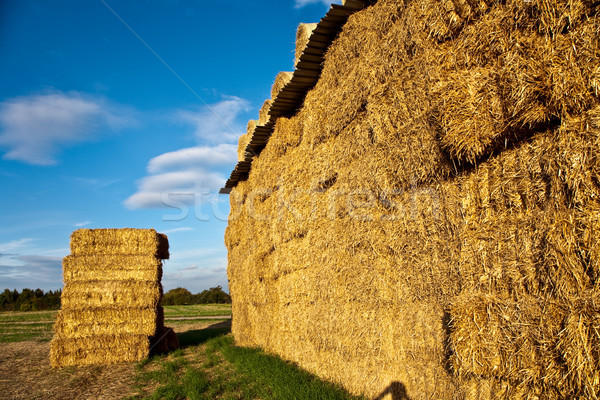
{"x": 95, "y": 183}
{"x": 34, "y": 128}
{"x": 15, "y": 246}
{"x": 31, "y": 271}
{"x": 183, "y": 176}
{"x": 193, "y": 157}
{"x": 302, "y": 3}
{"x": 187, "y": 176}
{"x": 189, "y": 268}
{"x": 184, "y": 229}
{"x": 217, "y": 124}
{"x": 80, "y": 224}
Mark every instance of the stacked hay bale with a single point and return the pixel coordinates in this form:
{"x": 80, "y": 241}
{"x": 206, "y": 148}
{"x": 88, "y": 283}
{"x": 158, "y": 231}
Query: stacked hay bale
{"x": 111, "y": 298}
{"x": 245, "y": 139}
{"x": 431, "y": 215}
{"x": 302, "y": 37}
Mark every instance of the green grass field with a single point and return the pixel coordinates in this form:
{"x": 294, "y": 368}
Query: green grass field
{"x": 207, "y": 366}
{"x": 37, "y": 325}
{"x": 198, "y": 310}
{"x": 210, "y": 366}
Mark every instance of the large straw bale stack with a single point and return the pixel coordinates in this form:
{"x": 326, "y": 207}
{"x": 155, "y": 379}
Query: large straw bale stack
{"x": 110, "y": 301}
{"x": 430, "y": 216}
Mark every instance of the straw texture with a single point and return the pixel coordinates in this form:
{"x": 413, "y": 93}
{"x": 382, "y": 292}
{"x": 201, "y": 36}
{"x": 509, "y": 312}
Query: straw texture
{"x": 110, "y": 301}
{"x": 430, "y": 216}
{"x": 282, "y": 79}
{"x": 302, "y": 37}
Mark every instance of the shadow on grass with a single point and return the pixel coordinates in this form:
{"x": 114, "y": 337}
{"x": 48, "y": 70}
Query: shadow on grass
{"x": 199, "y": 336}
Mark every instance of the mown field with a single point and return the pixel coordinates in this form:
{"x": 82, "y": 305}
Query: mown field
{"x": 207, "y": 366}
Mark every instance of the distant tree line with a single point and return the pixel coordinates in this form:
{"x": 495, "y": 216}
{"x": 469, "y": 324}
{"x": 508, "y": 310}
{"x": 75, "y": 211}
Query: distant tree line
{"x": 181, "y": 296}
{"x": 37, "y": 300}
{"x": 29, "y": 300}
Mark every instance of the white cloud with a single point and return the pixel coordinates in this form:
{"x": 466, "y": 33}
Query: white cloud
{"x": 14, "y": 245}
{"x": 34, "y": 128}
{"x": 31, "y": 271}
{"x": 183, "y": 229}
{"x": 187, "y": 176}
{"x": 217, "y": 123}
{"x": 194, "y": 157}
{"x": 302, "y": 3}
{"x": 182, "y": 177}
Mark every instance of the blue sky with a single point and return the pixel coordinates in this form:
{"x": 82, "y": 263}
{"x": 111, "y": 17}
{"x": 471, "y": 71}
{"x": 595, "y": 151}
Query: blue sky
{"x": 126, "y": 113}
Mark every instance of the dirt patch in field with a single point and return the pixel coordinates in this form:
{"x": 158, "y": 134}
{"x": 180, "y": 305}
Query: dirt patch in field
{"x": 25, "y": 373}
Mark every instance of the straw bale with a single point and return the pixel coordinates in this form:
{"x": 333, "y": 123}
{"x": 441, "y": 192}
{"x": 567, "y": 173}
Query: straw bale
{"x": 245, "y": 139}
{"x": 465, "y": 131}
{"x": 579, "y": 345}
{"x": 303, "y": 34}
{"x": 549, "y": 348}
{"x": 287, "y": 135}
{"x": 119, "y": 241}
{"x": 282, "y": 79}
{"x": 242, "y": 145}
{"x": 263, "y": 114}
{"x": 111, "y": 293}
{"x": 551, "y": 17}
{"x": 77, "y": 323}
{"x": 111, "y": 267}
{"x": 98, "y": 349}
{"x": 164, "y": 341}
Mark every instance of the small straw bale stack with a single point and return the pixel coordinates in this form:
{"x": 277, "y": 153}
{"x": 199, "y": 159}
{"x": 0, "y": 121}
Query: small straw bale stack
{"x": 430, "y": 216}
{"x": 111, "y": 298}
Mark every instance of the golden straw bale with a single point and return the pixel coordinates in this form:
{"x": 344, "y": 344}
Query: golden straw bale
{"x": 287, "y": 134}
{"x": 111, "y": 293}
{"x": 110, "y": 301}
{"x": 550, "y": 17}
{"x": 86, "y": 322}
{"x": 263, "y": 114}
{"x": 302, "y": 37}
{"x": 579, "y": 345}
{"x": 282, "y": 79}
{"x": 471, "y": 114}
{"x": 119, "y": 241}
{"x": 251, "y": 126}
{"x": 111, "y": 268}
{"x": 245, "y": 139}
{"x": 242, "y": 145}
{"x": 98, "y": 349}
{"x": 496, "y": 337}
